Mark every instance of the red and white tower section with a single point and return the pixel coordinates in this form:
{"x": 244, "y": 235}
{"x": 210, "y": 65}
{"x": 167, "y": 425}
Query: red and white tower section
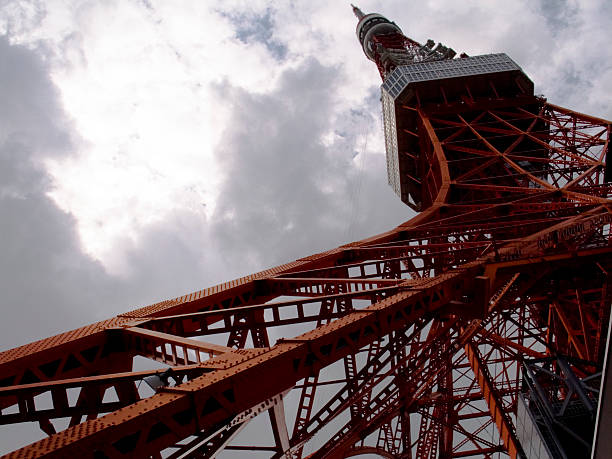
{"x": 479, "y": 328}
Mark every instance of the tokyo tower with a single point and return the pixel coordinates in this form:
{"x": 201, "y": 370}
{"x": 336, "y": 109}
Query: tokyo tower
{"x": 479, "y": 328}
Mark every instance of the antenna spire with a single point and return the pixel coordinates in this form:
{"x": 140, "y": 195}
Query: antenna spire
{"x": 357, "y": 12}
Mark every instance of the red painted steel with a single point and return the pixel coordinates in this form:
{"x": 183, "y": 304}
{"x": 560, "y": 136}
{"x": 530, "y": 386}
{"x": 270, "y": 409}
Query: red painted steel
{"x": 406, "y": 344}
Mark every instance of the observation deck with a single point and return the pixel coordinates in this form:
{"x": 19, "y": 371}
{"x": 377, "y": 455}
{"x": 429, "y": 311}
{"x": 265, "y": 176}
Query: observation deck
{"x": 451, "y": 85}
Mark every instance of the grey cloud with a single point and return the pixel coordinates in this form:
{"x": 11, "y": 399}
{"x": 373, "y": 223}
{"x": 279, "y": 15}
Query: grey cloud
{"x": 170, "y": 258}
{"x": 577, "y": 55}
{"x": 287, "y": 194}
{"x": 18, "y": 18}
{"x": 561, "y": 45}
{"x": 559, "y": 14}
{"x": 257, "y": 27}
{"x": 40, "y": 254}
{"x": 30, "y": 113}
{"x": 48, "y": 284}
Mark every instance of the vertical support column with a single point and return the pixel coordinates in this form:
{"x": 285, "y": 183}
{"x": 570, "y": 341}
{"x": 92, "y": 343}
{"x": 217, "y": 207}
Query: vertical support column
{"x": 499, "y": 415}
{"x": 279, "y": 426}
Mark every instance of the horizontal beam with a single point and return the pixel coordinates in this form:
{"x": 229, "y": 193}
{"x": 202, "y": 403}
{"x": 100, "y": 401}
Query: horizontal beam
{"x": 217, "y": 396}
{"x": 141, "y": 339}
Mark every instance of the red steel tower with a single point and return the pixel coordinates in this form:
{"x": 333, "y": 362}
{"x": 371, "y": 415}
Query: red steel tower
{"x": 478, "y": 328}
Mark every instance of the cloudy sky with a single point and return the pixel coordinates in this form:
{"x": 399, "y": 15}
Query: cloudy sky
{"x": 150, "y": 148}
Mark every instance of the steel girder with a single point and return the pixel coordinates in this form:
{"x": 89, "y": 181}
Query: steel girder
{"x": 430, "y": 322}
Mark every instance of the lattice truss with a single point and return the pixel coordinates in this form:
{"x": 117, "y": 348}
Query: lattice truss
{"x": 394, "y": 49}
{"x": 548, "y": 148}
{"x": 406, "y": 344}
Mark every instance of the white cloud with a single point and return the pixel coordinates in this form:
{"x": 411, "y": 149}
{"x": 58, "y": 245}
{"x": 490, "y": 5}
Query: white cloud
{"x": 174, "y": 108}
{"x": 183, "y": 145}
{"x": 154, "y": 94}
{"x": 138, "y": 79}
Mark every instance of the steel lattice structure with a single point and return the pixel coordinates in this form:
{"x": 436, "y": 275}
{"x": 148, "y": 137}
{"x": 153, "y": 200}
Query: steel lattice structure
{"x": 411, "y": 343}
